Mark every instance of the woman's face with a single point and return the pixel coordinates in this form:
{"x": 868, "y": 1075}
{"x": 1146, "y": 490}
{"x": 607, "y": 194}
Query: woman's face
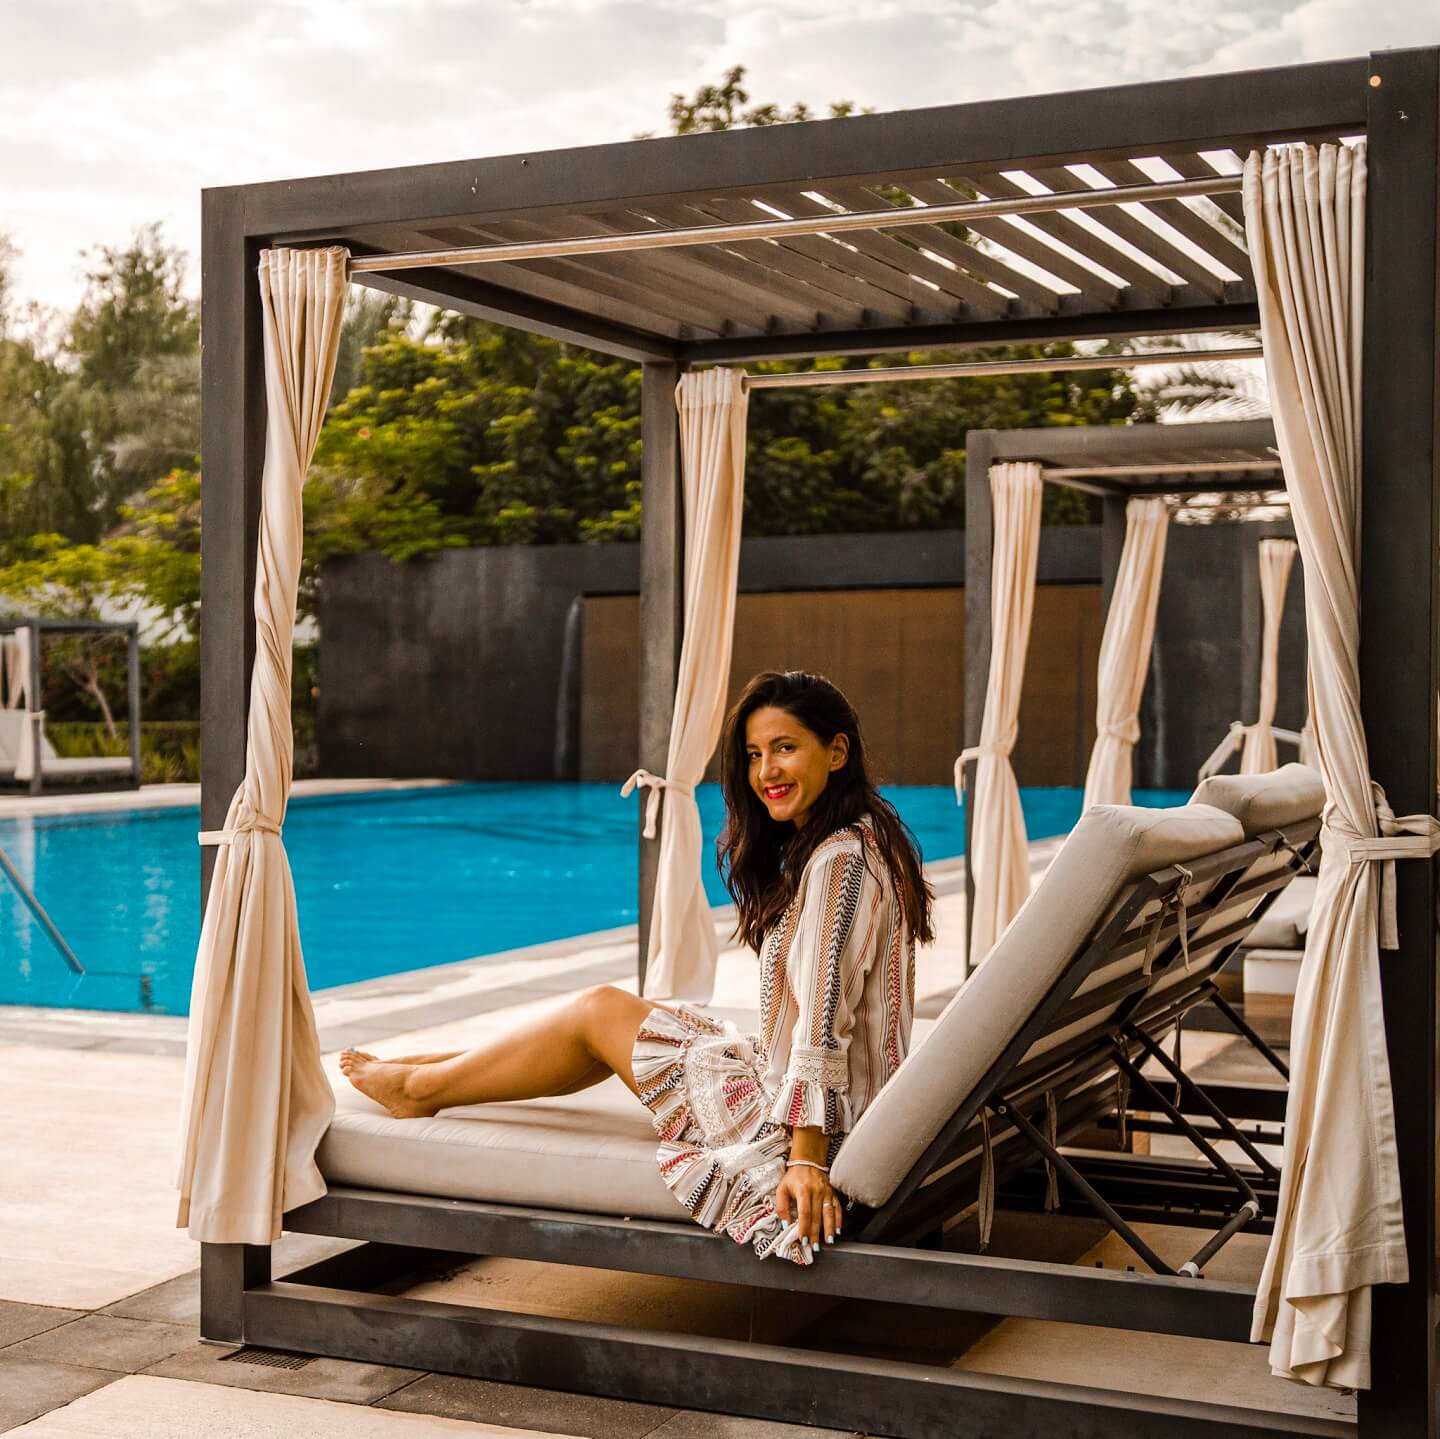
{"x": 789, "y": 765}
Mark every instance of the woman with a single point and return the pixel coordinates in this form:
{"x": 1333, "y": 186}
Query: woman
{"x": 829, "y": 891}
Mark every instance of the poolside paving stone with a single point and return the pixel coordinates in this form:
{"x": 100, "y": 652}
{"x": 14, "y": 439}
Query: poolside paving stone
{"x": 29, "y": 1388}
{"x": 106, "y": 1341}
{"x": 176, "y": 1301}
{"x": 548, "y": 1410}
{"x": 339, "y": 1379}
{"x": 21, "y": 1321}
{"x": 729, "y": 1426}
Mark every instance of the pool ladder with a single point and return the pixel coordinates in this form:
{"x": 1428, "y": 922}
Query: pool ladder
{"x": 38, "y": 910}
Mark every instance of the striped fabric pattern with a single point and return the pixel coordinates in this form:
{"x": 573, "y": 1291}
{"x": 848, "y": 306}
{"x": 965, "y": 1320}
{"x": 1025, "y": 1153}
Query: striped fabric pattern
{"x": 837, "y": 987}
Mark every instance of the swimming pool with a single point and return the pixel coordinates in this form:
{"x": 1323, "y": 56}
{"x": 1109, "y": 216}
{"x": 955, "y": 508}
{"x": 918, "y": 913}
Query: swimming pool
{"x": 386, "y": 881}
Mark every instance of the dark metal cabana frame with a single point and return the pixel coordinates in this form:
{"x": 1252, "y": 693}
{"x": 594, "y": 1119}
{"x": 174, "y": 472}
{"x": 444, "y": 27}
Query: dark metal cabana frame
{"x": 802, "y": 295}
{"x": 41, "y": 627}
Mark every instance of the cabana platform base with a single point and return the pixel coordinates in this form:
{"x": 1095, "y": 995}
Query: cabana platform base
{"x": 1122, "y": 280}
{"x": 795, "y": 1385}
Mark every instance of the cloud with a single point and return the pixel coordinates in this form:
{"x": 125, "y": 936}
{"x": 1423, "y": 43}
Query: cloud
{"x": 122, "y": 111}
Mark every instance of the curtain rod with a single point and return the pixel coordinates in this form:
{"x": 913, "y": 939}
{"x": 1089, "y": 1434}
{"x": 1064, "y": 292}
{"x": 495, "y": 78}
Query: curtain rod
{"x": 838, "y": 223}
{"x": 996, "y": 367}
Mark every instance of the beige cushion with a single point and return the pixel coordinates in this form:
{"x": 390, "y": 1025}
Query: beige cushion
{"x": 1111, "y": 848}
{"x": 1284, "y": 796}
{"x": 12, "y": 723}
{"x": 593, "y": 1151}
{"x": 1283, "y": 925}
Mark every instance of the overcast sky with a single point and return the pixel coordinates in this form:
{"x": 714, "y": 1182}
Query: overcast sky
{"x": 118, "y": 112}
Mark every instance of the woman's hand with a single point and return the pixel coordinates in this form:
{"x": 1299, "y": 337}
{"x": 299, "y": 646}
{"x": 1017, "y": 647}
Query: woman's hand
{"x": 804, "y": 1195}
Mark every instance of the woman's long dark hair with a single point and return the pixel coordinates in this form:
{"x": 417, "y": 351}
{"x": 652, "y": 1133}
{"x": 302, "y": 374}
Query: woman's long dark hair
{"x": 762, "y": 860}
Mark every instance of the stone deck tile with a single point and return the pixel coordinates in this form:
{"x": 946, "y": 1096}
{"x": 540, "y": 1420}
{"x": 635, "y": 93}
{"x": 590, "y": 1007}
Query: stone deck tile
{"x": 339, "y": 1379}
{"x": 550, "y": 1411}
{"x": 728, "y": 1426}
{"x": 21, "y": 1321}
{"x": 29, "y": 1388}
{"x": 106, "y": 1341}
{"x": 144, "y": 1407}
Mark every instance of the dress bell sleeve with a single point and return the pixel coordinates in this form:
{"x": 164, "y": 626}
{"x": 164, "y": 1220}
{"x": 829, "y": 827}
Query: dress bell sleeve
{"x": 816, "y": 1088}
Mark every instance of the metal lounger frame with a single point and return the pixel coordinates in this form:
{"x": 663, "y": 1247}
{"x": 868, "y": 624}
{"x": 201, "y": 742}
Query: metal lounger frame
{"x": 331, "y": 1308}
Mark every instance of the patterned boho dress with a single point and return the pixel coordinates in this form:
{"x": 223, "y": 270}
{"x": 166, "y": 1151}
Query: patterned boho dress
{"x": 837, "y": 996}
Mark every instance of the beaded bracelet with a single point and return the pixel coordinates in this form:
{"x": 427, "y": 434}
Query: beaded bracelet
{"x": 808, "y": 1163}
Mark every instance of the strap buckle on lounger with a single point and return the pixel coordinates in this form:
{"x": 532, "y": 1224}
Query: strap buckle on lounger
{"x": 644, "y": 779}
{"x": 1285, "y": 843}
{"x": 1172, "y": 903}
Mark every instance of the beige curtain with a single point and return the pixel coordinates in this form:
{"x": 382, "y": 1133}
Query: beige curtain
{"x": 999, "y": 859}
{"x": 1125, "y": 651}
{"x": 16, "y": 657}
{"x": 256, "y": 1100}
{"x": 1339, "y": 1229}
{"x": 1276, "y": 557}
{"x": 682, "y": 951}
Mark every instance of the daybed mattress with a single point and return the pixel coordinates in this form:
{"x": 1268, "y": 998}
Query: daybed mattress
{"x": 1283, "y": 925}
{"x": 593, "y": 1151}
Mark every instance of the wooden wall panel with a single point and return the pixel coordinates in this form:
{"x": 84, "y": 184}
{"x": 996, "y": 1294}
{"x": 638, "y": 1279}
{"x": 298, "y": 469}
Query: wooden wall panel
{"x": 897, "y": 654}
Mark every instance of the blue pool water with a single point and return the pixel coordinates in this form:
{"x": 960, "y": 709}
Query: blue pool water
{"x": 386, "y": 881}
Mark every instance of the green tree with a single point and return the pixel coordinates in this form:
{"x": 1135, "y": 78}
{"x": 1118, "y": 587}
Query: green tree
{"x": 134, "y": 347}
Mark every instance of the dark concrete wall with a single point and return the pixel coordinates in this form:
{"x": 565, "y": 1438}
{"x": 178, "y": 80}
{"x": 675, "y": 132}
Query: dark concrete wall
{"x": 1205, "y": 662}
{"x": 473, "y": 665}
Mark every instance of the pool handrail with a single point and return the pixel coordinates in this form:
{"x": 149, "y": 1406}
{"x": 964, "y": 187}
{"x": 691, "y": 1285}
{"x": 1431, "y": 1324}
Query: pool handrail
{"x": 38, "y": 910}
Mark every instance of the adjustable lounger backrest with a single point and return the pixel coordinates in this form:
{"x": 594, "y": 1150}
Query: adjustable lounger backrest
{"x": 1092, "y": 881}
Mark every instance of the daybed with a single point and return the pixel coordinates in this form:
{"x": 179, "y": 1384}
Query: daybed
{"x": 1122, "y": 936}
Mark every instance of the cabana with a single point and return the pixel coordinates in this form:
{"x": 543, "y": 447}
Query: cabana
{"x": 788, "y": 242}
{"x": 1120, "y": 464}
{"x": 26, "y": 755}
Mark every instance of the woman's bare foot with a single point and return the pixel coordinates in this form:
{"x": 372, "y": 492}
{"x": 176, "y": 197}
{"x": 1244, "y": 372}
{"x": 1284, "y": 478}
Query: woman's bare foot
{"x": 384, "y": 1083}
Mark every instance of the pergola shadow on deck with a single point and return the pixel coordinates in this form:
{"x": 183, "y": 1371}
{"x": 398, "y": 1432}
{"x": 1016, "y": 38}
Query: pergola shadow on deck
{"x": 808, "y": 240}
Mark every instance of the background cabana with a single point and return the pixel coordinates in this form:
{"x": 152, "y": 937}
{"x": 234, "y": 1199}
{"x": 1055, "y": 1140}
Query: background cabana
{"x": 1118, "y": 464}
{"x": 26, "y": 755}
{"x": 582, "y": 245}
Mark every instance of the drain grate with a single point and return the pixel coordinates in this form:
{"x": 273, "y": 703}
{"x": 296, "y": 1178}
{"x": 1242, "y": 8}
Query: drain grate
{"x": 270, "y": 1358}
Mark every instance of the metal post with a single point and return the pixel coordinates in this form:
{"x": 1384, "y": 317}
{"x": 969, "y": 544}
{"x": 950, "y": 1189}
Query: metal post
{"x": 979, "y": 535}
{"x": 37, "y": 706}
{"x": 662, "y": 598}
{"x": 1112, "y": 546}
{"x": 1398, "y": 677}
{"x": 232, "y": 438}
{"x": 132, "y": 655}
{"x": 226, "y": 1272}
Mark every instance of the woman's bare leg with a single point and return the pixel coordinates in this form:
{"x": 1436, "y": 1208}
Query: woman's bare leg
{"x": 571, "y": 1045}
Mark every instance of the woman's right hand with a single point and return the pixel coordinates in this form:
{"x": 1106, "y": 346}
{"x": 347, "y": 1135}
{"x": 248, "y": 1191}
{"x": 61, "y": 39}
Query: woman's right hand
{"x": 805, "y": 1196}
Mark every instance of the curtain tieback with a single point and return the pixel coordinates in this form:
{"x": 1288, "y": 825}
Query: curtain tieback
{"x": 1126, "y": 733}
{"x": 975, "y": 751}
{"x": 248, "y": 824}
{"x": 643, "y": 779}
{"x": 1406, "y": 836}
{"x": 1234, "y": 738}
